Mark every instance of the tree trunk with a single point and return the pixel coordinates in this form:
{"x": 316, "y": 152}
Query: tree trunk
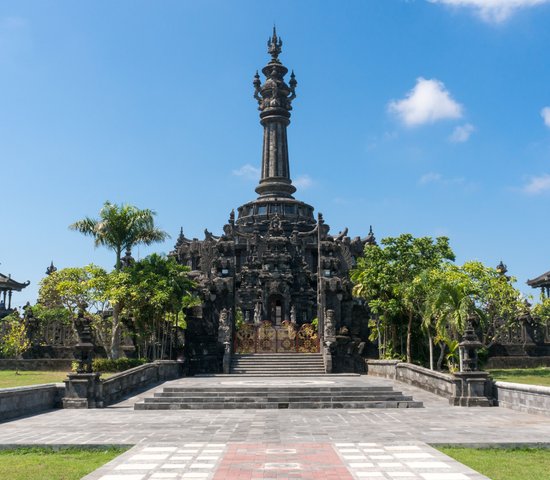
{"x": 115, "y": 334}
{"x": 443, "y": 347}
{"x": 431, "y": 346}
{"x": 409, "y": 337}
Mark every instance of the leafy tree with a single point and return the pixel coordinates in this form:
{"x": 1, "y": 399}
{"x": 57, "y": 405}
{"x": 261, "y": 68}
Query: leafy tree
{"x": 120, "y": 227}
{"x": 15, "y": 341}
{"x": 154, "y": 293}
{"x": 385, "y": 276}
{"x": 66, "y": 290}
{"x": 458, "y": 291}
{"x": 541, "y": 311}
{"x": 70, "y": 288}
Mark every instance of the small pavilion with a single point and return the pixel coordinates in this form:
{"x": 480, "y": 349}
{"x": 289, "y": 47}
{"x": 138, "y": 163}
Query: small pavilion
{"x": 542, "y": 282}
{"x": 7, "y": 286}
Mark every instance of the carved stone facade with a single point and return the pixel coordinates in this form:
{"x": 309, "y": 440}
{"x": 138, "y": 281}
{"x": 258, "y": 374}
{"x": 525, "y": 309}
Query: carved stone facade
{"x": 275, "y": 262}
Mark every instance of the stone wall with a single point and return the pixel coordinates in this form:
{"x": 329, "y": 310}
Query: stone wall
{"x": 517, "y": 362}
{"x": 122, "y": 384}
{"x": 525, "y": 398}
{"x": 436, "y": 382}
{"x": 16, "y": 402}
{"x": 52, "y": 364}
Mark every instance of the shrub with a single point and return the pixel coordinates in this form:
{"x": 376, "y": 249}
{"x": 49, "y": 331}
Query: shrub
{"x": 118, "y": 365}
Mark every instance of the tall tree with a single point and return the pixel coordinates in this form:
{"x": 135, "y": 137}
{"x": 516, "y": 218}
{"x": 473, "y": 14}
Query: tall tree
{"x": 119, "y": 228}
{"x": 385, "y": 276}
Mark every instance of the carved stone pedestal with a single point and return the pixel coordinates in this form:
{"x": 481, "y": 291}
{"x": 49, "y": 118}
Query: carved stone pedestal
{"x": 472, "y": 389}
{"x": 83, "y": 390}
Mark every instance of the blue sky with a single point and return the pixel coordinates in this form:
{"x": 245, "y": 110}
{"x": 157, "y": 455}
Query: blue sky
{"x": 419, "y": 116}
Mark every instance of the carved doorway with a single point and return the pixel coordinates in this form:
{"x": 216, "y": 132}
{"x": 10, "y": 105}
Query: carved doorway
{"x": 276, "y": 309}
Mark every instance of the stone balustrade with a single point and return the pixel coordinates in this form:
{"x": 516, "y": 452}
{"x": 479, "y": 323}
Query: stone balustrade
{"x": 524, "y": 398}
{"x": 19, "y": 401}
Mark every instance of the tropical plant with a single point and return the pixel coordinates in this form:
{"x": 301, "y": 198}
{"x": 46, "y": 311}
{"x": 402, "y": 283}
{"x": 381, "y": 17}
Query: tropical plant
{"x": 120, "y": 227}
{"x": 15, "y": 340}
{"x": 385, "y": 277}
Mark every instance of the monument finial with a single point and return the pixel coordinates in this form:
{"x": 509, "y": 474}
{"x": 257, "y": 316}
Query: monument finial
{"x": 274, "y": 45}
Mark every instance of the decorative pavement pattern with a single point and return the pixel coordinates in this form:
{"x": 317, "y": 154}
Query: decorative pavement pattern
{"x": 305, "y": 461}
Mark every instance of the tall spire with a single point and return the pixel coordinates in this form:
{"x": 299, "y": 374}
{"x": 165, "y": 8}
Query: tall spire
{"x": 275, "y": 98}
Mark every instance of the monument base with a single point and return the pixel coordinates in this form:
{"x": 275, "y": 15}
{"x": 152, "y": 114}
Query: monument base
{"x": 472, "y": 389}
{"x": 83, "y": 390}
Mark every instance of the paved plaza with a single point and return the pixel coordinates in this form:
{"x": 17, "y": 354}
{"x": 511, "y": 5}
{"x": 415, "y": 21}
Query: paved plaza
{"x": 280, "y": 444}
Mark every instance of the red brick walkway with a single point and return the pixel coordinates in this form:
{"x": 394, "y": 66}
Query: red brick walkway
{"x": 311, "y": 461}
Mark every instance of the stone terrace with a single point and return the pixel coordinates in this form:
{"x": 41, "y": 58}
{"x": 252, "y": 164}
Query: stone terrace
{"x": 373, "y": 443}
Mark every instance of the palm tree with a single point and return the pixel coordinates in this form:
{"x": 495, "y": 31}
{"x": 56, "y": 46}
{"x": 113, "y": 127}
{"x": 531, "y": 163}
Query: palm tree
{"x": 120, "y": 227}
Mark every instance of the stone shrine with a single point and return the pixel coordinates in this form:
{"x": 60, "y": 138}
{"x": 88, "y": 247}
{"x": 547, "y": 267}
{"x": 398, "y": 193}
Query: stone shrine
{"x": 275, "y": 280}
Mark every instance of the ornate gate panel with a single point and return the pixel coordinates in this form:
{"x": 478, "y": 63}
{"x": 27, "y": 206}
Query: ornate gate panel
{"x": 286, "y": 338}
{"x": 283, "y": 339}
{"x": 267, "y": 338}
{"x": 245, "y": 339}
{"x": 308, "y": 340}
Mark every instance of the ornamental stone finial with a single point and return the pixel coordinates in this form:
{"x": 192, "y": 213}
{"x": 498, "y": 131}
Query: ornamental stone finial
{"x": 274, "y": 45}
{"x": 51, "y": 269}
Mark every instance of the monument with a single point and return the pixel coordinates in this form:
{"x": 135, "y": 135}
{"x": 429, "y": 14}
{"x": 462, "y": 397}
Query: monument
{"x": 275, "y": 275}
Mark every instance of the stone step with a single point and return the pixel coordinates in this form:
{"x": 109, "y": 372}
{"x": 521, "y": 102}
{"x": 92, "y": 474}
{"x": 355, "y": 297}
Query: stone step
{"x": 278, "y": 364}
{"x": 279, "y": 398}
{"x": 277, "y": 405}
{"x": 273, "y": 362}
{"x": 267, "y": 390}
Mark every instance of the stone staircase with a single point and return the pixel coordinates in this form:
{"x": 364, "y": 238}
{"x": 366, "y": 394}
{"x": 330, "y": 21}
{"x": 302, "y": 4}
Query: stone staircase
{"x": 276, "y": 397}
{"x": 278, "y": 364}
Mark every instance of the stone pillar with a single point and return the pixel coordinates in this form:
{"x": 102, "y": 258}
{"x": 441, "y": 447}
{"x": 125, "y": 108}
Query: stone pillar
{"x": 472, "y": 387}
{"x": 83, "y": 390}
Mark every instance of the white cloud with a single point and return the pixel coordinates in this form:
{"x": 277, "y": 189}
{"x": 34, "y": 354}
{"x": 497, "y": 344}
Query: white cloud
{"x": 247, "y": 171}
{"x": 428, "y": 102}
{"x": 537, "y": 185}
{"x": 303, "y": 182}
{"x": 435, "y": 178}
{"x": 545, "y": 114}
{"x": 494, "y": 11}
{"x": 462, "y": 133}
{"x": 430, "y": 177}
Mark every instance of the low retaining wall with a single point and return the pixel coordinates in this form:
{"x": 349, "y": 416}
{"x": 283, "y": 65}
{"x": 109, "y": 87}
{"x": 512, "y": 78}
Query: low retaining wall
{"x": 517, "y": 362}
{"x": 435, "y": 382}
{"x": 524, "y": 398}
{"x": 122, "y": 384}
{"x": 53, "y": 364}
{"x": 19, "y": 401}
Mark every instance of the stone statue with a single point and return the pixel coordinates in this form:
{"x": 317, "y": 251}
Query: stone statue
{"x": 330, "y": 327}
{"x": 224, "y": 328}
{"x": 293, "y": 314}
{"x": 258, "y": 313}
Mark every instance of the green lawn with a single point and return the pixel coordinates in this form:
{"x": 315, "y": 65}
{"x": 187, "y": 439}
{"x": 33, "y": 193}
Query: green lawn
{"x": 8, "y": 378}
{"x": 531, "y": 376}
{"x": 504, "y": 464}
{"x": 47, "y": 464}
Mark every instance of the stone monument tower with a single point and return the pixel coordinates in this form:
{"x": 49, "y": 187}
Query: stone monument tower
{"x": 275, "y": 280}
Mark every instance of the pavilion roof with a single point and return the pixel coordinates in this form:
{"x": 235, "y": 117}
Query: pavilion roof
{"x": 541, "y": 281}
{"x": 8, "y": 283}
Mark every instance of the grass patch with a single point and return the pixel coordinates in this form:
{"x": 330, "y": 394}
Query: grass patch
{"x": 9, "y": 379}
{"x": 504, "y": 464}
{"x": 49, "y": 464}
{"x": 530, "y": 376}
